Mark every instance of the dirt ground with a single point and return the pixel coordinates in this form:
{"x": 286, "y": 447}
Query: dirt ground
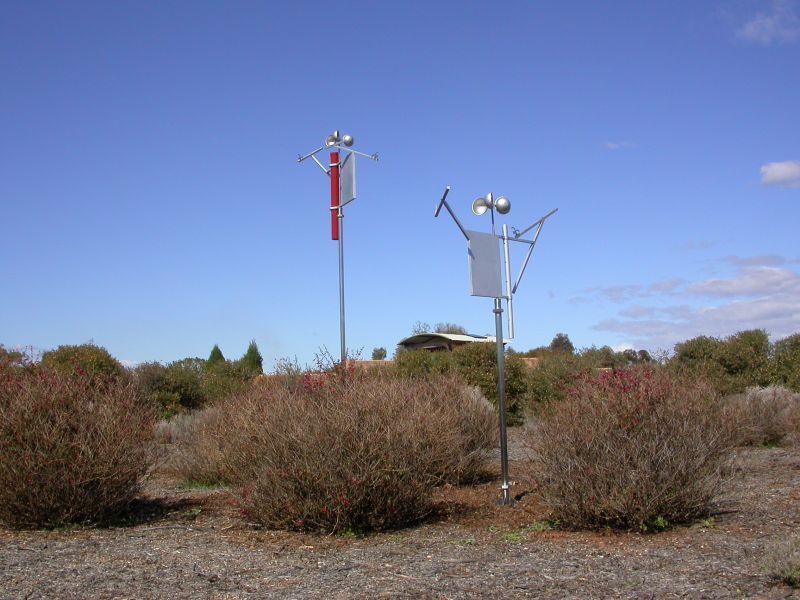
{"x": 194, "y": 544}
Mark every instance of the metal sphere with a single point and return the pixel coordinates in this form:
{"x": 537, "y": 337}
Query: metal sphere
{"x": 502, "y": 205}
{"x": 347, "y": 140}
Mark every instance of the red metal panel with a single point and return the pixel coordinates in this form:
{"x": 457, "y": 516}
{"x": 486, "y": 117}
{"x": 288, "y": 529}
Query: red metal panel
{"x": 334, "y": 195}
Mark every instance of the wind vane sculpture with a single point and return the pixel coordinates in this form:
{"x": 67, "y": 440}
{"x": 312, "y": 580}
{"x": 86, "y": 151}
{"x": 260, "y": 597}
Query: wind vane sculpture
{"x": 483, "y": 250}
{"x": 342, "y": 176}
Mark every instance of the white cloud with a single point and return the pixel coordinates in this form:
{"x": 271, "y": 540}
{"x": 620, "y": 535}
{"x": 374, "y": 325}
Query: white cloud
{"x": 755, "y": 297}
{"x": 780, "y": 24}
{"x": 750, "y": 281}
{"x": 619, "y": 145}
{"x": 785, "y": 174}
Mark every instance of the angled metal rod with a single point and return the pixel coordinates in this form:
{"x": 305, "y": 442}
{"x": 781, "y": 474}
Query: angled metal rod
{"x": 443, "y": 202}
{"x": 321, "y": 166}
{"x": 509, "y": 295}
{"x": 527, "y": 257}
{"x": 310, "y": 154}
{"x": 524, "y": 231}
{"x": 346, "y": 149}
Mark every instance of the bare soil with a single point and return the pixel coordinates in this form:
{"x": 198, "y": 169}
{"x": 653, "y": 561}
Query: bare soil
{"x": 184, "y": 543}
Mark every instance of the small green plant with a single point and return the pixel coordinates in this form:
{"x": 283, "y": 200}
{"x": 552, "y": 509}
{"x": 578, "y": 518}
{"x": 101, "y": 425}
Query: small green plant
{"x": 514, "y": 537}
{"x": 464, "y": 542}
{"x": 655, "y": 524}
{"x": 541, "y": 526}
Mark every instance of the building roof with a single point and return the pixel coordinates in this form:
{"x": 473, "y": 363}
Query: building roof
{"x": 437, "y": 340}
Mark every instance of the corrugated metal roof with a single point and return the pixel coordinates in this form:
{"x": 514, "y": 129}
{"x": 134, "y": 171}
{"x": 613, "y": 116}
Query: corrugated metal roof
{"x": 422, "y": 338}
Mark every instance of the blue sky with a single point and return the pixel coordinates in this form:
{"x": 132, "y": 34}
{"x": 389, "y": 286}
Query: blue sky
{"x": 152, "y": 201}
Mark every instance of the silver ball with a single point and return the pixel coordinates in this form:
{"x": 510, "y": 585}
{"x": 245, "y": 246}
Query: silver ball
{"x": 502, "y": 205}
{"x": 347, "y": 140}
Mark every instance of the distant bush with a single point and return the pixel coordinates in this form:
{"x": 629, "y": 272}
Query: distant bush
{"x": 552, "y": 377}
{"x": 765, "y": 416}
{"x": 72, "y": 452}
{"x": 86, "y": 360}
{"x": 633, "y": 448}
{"x": 474, "y": 364}
{"x": 787, "y": 362}
{"x": 342, "y": 451}
{"x": 183, "y": 379}
{"x": 732, "y": 364}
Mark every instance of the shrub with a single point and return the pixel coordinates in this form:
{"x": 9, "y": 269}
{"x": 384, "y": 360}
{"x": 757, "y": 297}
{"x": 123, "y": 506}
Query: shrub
{"x": 787, "y": 362}
{"x": 765, "y": 416}
{"x": 183, "y": 380}
{"x": 93, "y": 362}
{"x": 731, "y": 365}
{"x": 379, "y": 353}
{"x": 71, "y": 452}
{"x": 475, "y": 365}
{"x": 549, "y": 381}
{"x": 344, "y": 451}
{"x": 634, "y": 448}
{"x": 198, "y": 440}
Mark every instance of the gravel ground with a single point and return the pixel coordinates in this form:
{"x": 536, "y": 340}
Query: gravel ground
{"x": 193, "y": 544}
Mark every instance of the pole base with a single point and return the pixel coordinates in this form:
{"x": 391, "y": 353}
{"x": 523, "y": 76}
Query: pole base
{"x": 505, "y": 499}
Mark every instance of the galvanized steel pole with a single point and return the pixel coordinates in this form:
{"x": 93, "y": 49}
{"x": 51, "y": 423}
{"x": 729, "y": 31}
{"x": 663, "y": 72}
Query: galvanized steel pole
{"x": 505, "y": 499}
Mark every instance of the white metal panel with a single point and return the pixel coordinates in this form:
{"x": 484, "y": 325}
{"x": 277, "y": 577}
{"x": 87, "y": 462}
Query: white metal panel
{"x": 484, "y": 264}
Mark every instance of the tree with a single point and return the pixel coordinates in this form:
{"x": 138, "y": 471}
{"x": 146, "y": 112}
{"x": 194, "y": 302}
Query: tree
{"x": 561, "y": 344}
{"x": 420, "y": 327}
{"x": 378, "y": 353}
{"x": 215, "y": 356}
{"x": 450, "y": 328}
{"x": 252, "y": 361}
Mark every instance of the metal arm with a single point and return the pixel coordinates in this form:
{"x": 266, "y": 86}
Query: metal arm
{"x": 443, "y": 202}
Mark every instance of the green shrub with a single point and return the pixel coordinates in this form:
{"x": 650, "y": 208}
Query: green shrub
{"x": 475, "y": 365}
{"x": 631, "y": 448}
{"x": 183, "y": 381}
{"x": 787, "y": 362}
{"x": 222, "y": 380}
{"x": 72, "y": 452}
{"x": 339, "y": 451}
{"x": 550, "y": 379}
{"x": 732, "y": 365}
{"x": 93, "y": 362}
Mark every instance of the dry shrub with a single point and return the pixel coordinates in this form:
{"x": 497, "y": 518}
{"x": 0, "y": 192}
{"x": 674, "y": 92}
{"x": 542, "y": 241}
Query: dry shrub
{"x": 634, "y": 448}
{"x": 344, "y": 451}
{"x": 71, "y": 452}
{"x": 198, "y": 441}
{"x": 765, "y": 416}
{"x": 783, "y": 562}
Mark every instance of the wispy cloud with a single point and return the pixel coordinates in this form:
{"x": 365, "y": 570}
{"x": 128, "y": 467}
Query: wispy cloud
{"x": 750, "y": 281}
{"x": 780, "y": 23}
{"x": 758, "y": 295}
{"x": 784, "y": 174}
{"x": 619, "y": 145}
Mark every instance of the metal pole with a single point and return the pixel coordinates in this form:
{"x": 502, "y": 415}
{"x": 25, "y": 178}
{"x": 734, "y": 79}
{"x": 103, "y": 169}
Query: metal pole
{"x": 337, "y": 216}
{"x": 341, "y": 290}
{"x": 505, "y": 499}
